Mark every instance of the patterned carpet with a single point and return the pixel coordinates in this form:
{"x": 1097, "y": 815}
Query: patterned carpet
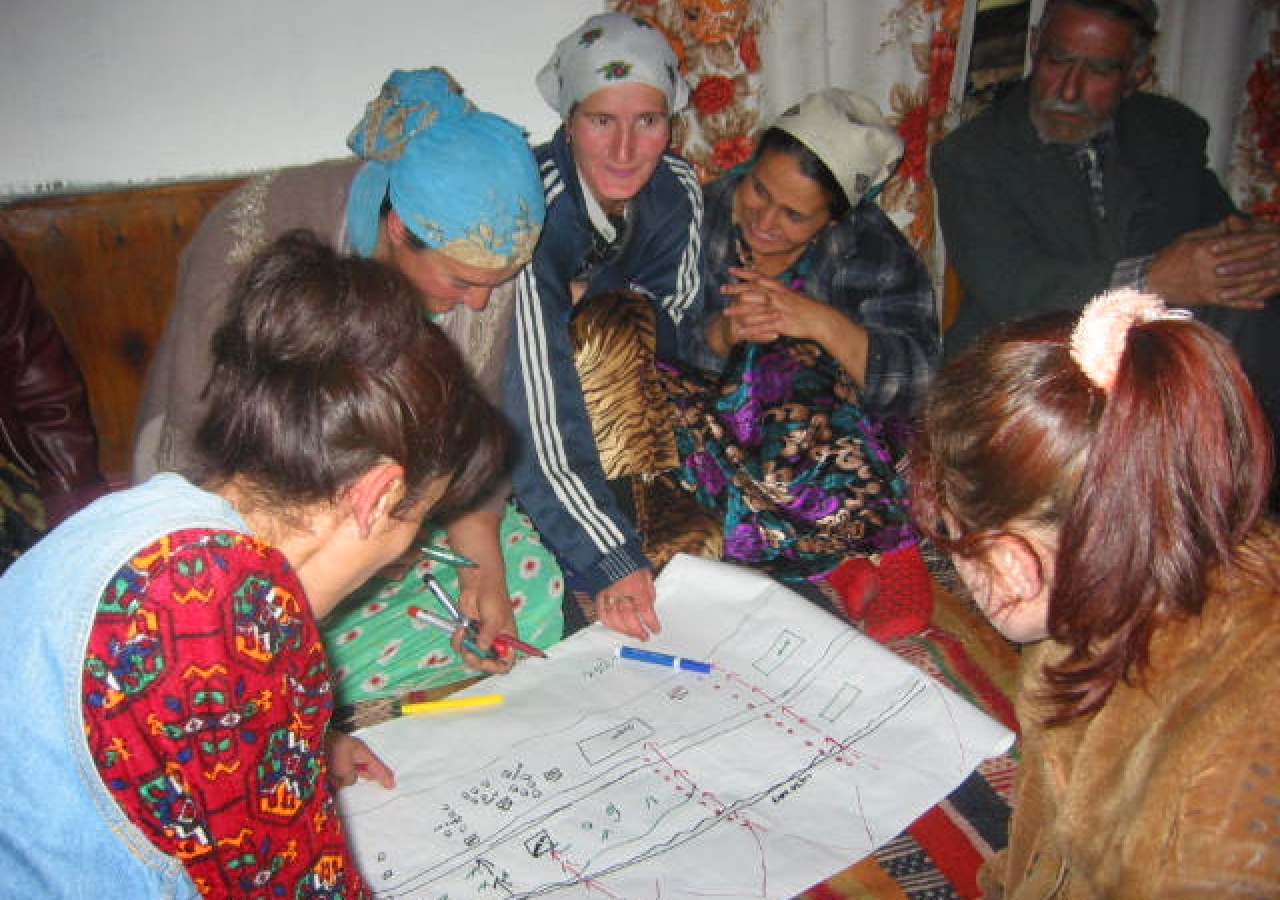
{"x": 938, "y": 856}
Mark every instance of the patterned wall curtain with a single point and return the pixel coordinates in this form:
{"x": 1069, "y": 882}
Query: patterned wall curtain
{"x": 718, "y": 43}
{"x": 748, "y": 60}
{"x": 903, "y": 54}
{"x": 1254, "y": 174}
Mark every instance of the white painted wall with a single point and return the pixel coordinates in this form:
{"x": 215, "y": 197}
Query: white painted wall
{"x": 114, "y": 92}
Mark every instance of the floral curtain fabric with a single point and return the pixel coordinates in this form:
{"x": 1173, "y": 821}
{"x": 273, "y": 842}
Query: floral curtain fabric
{"x": 747, "y": 60}
{"x": 1255, "y": 165}
{"x": 904, "y": 55}
{"x": 718, "y": 43}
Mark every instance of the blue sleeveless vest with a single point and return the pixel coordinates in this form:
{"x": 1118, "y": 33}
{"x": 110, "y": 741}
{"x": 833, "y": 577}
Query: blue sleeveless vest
{"x": 62, "y": 835}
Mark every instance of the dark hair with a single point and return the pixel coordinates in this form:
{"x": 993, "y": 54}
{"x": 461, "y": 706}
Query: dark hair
{"x": 1151, "y": 486}
{"x": 326, "y": 364}
{"x": 776, "y": 140}
{"x": 415, "y": 243}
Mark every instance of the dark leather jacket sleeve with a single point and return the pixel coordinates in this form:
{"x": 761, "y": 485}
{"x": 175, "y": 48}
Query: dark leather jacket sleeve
{"x": 44, "y": 410}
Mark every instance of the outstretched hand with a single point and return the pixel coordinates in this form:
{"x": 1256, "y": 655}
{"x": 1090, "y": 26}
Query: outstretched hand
{"x": 627, "y": 605}
{"x": 350, "y": 758}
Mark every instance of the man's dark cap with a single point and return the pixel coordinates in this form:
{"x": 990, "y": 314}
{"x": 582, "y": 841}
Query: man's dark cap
{"x": 1146, "y": 10}
{"x": 1142, "y": 13}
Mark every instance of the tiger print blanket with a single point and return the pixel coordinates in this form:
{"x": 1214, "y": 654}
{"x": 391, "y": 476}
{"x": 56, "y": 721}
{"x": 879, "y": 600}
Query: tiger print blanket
{"x": 614, "y": 342}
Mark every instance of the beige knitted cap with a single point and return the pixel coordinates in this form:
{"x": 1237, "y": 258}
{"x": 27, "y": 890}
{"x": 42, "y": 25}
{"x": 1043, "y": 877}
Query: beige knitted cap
{"x": 849, "y": 134}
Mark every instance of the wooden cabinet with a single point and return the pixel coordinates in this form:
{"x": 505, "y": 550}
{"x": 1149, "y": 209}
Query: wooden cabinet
{"x": 104, "y": 265}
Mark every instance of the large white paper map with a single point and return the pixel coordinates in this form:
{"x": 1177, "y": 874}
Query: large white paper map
{"x": 807, "y": 747}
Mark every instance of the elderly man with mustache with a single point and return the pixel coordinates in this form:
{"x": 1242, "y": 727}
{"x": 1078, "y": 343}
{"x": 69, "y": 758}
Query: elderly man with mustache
{"x": 1075, "y": 181}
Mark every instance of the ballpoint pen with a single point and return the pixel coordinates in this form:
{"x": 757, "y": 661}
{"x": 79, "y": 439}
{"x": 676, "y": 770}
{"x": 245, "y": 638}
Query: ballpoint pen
{"x": 446, "y": 556}
{"x": 445, "y": 600}
{"x": 505, "y": 642}
{"x": 468, "y": 640}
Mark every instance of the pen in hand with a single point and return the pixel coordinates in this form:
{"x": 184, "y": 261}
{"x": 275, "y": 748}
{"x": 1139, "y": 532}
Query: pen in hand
{"x": 468, "y": 640}
{"x": 502, "y": 644}
{"x": 508, "y": 642}
{"x": 445, "y": 600}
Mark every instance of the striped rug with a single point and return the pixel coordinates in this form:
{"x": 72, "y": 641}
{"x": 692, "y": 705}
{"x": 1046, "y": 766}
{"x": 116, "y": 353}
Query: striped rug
{"x": 938, "y": 856}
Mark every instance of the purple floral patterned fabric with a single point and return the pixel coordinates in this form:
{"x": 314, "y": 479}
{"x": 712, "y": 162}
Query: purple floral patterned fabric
{"x": 779, "y": 446}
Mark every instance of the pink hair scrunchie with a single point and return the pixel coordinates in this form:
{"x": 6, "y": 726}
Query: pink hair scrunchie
{"x": 1098, "y": 340}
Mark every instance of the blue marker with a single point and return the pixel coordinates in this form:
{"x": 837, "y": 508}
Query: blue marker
{"x": 664, "y": 659}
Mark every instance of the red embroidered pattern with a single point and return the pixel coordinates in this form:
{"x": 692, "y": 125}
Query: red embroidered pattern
{"x": 206, "y": 696}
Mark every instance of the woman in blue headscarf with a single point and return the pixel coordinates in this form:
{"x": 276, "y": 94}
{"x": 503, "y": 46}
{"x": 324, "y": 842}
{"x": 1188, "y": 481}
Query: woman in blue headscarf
{"x": 451, "y": 196}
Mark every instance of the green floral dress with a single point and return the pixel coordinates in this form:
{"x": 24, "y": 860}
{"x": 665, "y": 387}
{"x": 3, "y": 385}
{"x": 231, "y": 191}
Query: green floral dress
{"x": 377, "y": 650}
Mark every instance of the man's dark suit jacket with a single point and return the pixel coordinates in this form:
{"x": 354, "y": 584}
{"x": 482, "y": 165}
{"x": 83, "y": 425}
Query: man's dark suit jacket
{"x": 1021, "y": 232}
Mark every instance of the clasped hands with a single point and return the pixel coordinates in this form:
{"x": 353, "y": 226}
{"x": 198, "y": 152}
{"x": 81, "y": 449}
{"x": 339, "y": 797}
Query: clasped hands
{"x": 763, "y": 309}
{"x": 1235, "y": 263}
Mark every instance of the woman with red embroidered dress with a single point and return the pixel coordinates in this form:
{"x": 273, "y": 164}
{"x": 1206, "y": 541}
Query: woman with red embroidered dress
{"x": 167, "y": 709}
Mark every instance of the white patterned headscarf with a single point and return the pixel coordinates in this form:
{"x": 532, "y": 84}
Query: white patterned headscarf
{"x": 609, "y": 49}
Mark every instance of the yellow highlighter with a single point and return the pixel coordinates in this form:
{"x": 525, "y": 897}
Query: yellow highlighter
{"x": 449, "y": 704}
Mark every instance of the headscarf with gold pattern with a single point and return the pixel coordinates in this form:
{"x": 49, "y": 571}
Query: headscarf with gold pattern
{"x": 463, "y": 180}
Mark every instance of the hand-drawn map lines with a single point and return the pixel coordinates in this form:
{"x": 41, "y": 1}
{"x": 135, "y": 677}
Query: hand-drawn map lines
{"x": 529, "y": 830}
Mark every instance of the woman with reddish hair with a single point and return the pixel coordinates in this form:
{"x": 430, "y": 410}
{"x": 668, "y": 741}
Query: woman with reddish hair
{"x": 1101, "y": 486}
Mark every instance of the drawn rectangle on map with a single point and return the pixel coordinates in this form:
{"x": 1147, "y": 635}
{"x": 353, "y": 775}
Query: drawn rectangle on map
{"x": 842, "y": 702}
{"x": 783, "y": 648}
{"x": 599, "y": 747}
